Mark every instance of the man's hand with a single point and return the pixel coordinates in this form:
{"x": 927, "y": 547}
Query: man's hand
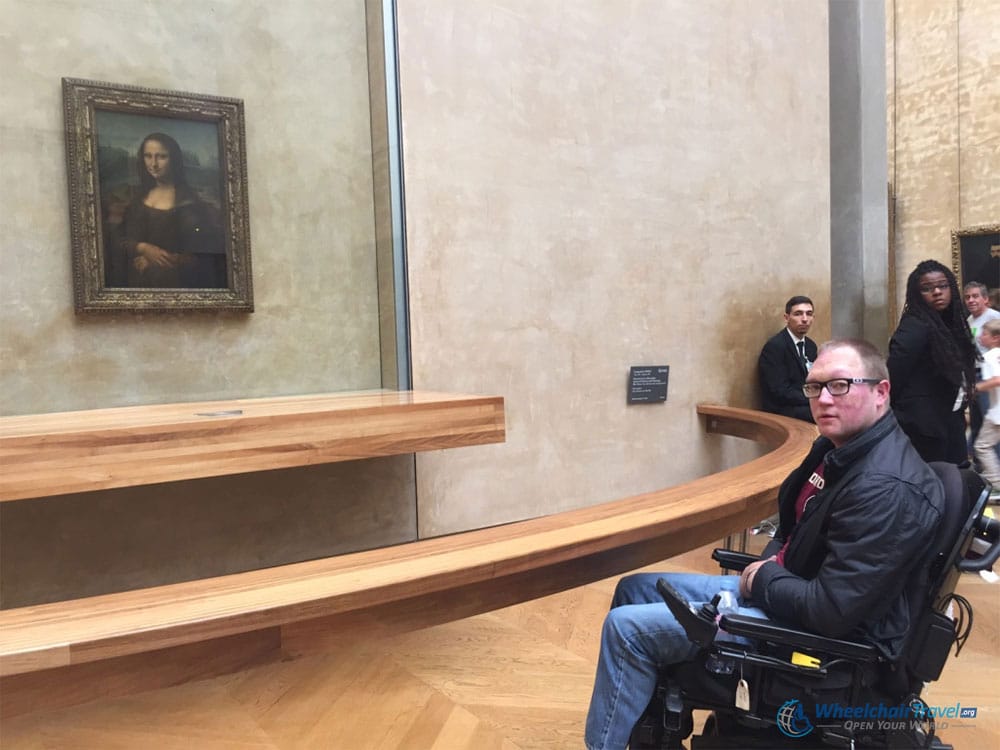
{"x": 746, "y": 577}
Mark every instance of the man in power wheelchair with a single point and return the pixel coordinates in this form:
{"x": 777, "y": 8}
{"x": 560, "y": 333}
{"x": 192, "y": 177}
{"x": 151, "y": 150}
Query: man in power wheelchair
{"x": 813, "y": 691}
{"x": 838, "y": 624}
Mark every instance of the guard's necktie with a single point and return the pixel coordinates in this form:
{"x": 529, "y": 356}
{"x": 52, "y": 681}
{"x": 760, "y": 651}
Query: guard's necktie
{"x": 802, "y": 352}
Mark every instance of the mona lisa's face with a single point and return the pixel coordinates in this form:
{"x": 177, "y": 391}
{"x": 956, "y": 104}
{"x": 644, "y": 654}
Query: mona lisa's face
{"x": 157, "y": 160}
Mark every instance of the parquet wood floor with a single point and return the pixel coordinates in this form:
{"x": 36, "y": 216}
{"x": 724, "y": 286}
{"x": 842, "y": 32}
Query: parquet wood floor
{"x": 515, "y": 679}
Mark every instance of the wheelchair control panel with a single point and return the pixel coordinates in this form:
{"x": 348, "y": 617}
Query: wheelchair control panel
{"x": 699, "y": 625}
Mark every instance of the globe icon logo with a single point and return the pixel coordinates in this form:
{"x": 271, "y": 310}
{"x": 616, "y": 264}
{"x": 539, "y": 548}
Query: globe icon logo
{"x": 792, "y": 719}
{"x": 918, "y": 708}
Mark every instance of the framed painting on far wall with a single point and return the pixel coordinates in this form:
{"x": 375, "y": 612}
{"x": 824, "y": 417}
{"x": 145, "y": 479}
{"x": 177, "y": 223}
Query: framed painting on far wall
{"x": 157, "y": 199}
{"x": 975, "y": 255}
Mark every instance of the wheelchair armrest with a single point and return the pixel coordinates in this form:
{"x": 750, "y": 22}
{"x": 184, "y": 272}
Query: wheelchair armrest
{"x": 731, "y": 560}
{"x": 987, "y": 529}
{"x": 765, "y": 630}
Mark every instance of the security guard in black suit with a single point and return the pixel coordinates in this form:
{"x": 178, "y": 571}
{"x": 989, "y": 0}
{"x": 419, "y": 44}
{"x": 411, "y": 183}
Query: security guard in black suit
{"x": 785, "y": 360}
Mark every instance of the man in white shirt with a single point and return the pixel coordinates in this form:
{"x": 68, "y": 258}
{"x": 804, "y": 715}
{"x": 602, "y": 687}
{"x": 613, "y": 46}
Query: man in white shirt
{"x": 989, "y": 435}
{"x": 977, "y": 301}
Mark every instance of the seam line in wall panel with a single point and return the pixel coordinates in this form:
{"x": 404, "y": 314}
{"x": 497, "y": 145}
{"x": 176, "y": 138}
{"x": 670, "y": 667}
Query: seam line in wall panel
{"x": 958, "y": 101}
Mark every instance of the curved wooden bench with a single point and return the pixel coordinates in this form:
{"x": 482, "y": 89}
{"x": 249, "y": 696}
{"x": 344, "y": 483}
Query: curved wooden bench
{"x": 425, "y": 581}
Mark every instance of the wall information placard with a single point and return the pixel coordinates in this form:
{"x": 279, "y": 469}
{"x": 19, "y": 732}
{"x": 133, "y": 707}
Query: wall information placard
{"x": 647, "y": 384}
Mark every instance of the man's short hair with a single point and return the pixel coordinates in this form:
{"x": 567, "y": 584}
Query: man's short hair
{"x": 984, "y": 291}
{"x": 797, "y": 300}
{"x": 872, "y": 361}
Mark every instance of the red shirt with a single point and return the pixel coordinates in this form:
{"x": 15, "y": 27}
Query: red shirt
{"x": 807, "y": 493}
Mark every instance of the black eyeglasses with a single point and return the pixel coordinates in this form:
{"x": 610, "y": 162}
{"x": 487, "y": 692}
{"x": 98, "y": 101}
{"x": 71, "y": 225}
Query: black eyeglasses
{"x": 929, "y": 288}
{"x": 836, "y": 387}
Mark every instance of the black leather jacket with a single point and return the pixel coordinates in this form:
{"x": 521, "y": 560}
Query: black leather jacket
{"x": 860, "y": 538}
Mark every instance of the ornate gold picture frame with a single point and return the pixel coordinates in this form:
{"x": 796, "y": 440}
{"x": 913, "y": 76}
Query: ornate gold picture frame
{"x": 157, "y": 199}
{"x": 975, "y": 254}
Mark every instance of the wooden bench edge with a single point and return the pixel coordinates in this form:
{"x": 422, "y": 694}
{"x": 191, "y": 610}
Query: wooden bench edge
{"x": 177, "y": 614}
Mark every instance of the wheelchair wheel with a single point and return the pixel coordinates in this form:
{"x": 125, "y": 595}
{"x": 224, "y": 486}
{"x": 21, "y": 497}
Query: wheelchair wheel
{"x": 711, "y": 727}
{"x": 723, "y": 732}
{"x": 649, "y": 734}
{"x": 718, "y": 725}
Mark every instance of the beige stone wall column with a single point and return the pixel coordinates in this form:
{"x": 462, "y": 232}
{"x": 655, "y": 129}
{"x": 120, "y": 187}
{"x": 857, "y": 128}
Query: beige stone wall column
{"x": 944, "y": 157}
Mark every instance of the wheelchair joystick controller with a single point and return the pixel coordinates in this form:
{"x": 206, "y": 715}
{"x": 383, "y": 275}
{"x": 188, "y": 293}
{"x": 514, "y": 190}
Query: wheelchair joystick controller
{"x": 723, "y": 603}
{"x": 711, "y": 609}
{"x": 699, "y": 625}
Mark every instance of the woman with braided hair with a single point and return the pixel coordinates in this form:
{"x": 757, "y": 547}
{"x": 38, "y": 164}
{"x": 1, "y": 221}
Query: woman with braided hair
{"x": 932, "y": 365}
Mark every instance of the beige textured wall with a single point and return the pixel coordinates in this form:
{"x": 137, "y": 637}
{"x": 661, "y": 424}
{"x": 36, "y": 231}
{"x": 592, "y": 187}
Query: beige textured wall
{"x": 301, "y": 69}
{"x": 595, "y": 185}
{"x": 944, "y": 115}
{"x": 589, "y": 186}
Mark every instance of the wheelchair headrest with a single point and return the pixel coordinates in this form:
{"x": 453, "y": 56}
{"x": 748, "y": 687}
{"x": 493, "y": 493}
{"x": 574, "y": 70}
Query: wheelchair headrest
{"x": 964, "y": 492}
{"x": 957, "y": 504}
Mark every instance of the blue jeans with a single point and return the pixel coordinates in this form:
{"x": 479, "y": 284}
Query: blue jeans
{"x": 639, "y": 638}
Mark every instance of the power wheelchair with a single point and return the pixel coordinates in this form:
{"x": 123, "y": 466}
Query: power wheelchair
{"x": 771, "y": 695}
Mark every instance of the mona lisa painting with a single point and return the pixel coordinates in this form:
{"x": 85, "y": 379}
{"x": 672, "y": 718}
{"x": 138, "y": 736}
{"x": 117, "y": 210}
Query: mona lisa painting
{"x": 158, "y": 199}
